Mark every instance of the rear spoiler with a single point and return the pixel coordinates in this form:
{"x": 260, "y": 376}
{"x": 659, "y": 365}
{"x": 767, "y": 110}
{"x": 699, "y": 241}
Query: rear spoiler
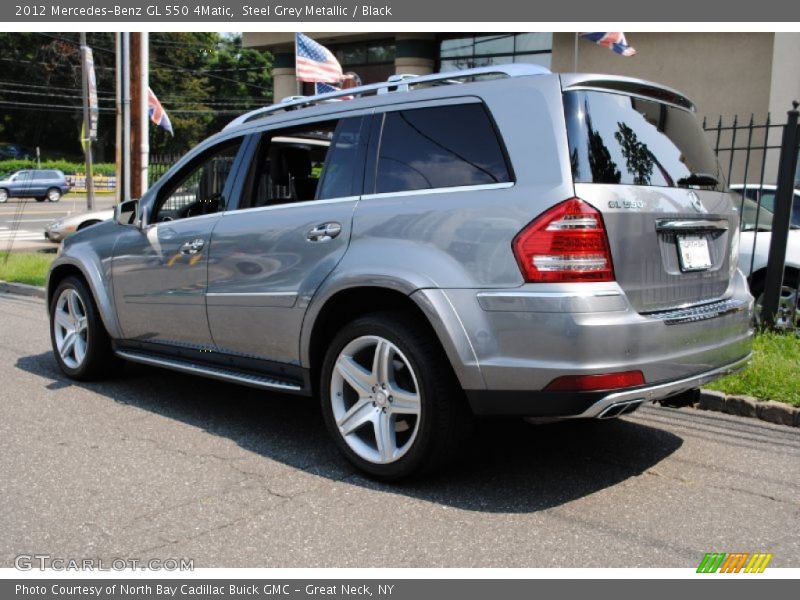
{"x": 625, "y": 85}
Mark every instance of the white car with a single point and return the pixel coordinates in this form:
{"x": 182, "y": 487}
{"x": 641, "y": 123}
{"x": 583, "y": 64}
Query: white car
{"x": 61, "y": 228}
{"x": 754, "y": 244}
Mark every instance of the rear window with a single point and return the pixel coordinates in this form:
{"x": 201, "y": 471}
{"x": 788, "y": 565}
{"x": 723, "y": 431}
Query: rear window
{"x": 616, "y": 138}
{"x": 445, "y": 146}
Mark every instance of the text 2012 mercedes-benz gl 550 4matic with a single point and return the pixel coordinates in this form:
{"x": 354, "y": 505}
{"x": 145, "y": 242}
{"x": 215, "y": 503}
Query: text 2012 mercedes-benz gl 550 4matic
{"x": 499, "y": 241}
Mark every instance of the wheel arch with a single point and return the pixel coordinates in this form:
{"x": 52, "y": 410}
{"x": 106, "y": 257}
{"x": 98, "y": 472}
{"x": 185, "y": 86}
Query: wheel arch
{"x": 64, "y": 268}
{"x": 327, "y": 314}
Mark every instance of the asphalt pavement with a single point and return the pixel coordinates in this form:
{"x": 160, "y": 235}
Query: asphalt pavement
{"x": 154, "y": 464}
{"x": 24, "y": 220}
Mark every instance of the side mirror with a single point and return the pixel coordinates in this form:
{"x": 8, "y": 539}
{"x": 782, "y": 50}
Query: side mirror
{"x": 127, "y": 213}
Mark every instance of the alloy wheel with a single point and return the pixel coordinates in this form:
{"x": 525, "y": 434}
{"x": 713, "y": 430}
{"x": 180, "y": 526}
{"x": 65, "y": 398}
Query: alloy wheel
{"x": 788, "y": 316}
{"x": 70, "y": 327}
{"x": 375, "y": 399}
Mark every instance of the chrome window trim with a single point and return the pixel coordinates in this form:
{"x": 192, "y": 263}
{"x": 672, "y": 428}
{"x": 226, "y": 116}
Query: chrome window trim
{"x": 291, "y": 205}
{"x": 443, "y": 190}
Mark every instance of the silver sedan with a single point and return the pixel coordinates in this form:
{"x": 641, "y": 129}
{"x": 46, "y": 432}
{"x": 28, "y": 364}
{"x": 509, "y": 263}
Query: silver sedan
{"x": 61, "y": 228}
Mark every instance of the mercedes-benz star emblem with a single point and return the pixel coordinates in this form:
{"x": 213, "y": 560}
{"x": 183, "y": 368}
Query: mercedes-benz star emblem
{"x": 696, "y": 202}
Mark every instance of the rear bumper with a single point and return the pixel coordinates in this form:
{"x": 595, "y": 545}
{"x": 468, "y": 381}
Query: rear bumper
{"x": 512, "y": 343}
{"x": 588, "y": 405}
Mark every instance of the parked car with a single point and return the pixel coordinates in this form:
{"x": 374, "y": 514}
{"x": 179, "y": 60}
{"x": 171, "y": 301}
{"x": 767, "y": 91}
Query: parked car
{"x": 41, "y": 184}
{"x": 765, "y": 194}
{"x": 15, "y": 151}
{"x": 754, "y": 245}
{"x": 64, "y": 226}
{"x": 525, "y": 243}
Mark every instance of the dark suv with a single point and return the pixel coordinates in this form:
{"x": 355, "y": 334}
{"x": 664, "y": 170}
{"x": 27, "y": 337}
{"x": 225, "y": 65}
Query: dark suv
{"x": 42, "y": 184}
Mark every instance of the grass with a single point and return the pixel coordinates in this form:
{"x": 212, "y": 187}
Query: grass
{"x": 773, "y": 373}
{"x": 25, "y": 267}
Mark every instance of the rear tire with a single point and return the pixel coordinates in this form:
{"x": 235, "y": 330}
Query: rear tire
{"x": 3, "y": 196}
{"x": 400, "y": 415}
{"x": 54, "y": 194}
{"x": 81, "y": 345}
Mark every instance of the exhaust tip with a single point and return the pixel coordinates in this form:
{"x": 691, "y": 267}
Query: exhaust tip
{"x": 620, "y": 408}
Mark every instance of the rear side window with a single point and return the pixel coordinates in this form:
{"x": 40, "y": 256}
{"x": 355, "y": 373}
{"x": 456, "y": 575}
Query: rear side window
{"x": 615, "y": 138}
{"x": 439, "y": 147}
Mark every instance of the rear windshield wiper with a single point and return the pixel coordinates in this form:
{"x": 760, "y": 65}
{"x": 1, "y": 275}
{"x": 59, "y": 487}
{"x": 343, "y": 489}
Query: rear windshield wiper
{"x": 703, "y": 179}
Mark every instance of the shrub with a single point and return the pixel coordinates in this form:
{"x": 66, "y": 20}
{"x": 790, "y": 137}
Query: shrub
{"x": 68, "y": 167}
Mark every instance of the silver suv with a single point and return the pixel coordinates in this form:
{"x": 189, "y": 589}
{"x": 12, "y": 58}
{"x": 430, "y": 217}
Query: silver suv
{"x": 499, "y": 241}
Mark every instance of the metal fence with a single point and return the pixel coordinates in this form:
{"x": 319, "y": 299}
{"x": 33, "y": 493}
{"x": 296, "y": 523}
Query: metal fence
{"x": 160, "y": 164}
{"x": 759, "y": 160}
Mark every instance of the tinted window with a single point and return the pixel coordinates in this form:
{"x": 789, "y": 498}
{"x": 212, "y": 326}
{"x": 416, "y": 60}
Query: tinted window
{"x": 445, "y": 146}
{"x": 299, "y": 164}
{"x": 198, "y": 188}
{"x": 616, "y": 138}
{"x": 342, "y": 173}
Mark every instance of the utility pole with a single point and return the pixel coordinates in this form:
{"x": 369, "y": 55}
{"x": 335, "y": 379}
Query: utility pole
{"x": 140, "y": 143}
{"x": 136, "y": 110}
{"x": 144, "y": 116}
{"x": 126, "y": 116}
{"x": 120, "y": 76}
{"x": 86, "y": 135}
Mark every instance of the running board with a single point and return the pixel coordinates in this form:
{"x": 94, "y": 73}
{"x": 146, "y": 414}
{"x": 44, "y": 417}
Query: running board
{"x": 249, "y": 379}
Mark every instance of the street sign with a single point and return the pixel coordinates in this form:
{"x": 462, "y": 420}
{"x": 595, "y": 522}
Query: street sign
{"x": 91, "y": 82}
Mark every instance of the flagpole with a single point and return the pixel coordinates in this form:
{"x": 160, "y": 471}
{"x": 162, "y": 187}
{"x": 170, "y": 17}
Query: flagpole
{"x": 575, "y": 54}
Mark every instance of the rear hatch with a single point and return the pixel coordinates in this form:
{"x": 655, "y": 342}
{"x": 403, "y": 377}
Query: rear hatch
{"x": 640, "y": 157}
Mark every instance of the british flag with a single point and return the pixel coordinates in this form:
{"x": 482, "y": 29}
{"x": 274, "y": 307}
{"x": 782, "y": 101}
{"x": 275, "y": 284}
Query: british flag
{"x": 613, "y": 40}
{"x": 157, "y": 113}
{"x": 314, "y": 62}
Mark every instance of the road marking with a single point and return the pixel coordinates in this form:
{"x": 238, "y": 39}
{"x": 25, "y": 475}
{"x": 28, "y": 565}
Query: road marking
{"x": 34, "y": 220}
{"x": 20, "y": 234}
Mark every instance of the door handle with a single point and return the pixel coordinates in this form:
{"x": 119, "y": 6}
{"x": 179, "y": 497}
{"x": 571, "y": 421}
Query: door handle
{"x": 193, "y": 247}
{"x": 324, "y": 232}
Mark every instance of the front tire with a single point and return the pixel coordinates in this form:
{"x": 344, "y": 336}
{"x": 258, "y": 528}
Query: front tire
{"x": 81, "y": 345}
{"x": 390, "y": 399}
{"x": 788, "y": 316}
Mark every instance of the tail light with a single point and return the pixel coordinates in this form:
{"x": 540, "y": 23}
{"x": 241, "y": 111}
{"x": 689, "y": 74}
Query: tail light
{"x": 566, "y": 243}
{"x": 604, "y": 381}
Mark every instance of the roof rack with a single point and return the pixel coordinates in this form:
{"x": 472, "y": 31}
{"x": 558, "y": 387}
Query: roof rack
{"x": 395, "y": 83}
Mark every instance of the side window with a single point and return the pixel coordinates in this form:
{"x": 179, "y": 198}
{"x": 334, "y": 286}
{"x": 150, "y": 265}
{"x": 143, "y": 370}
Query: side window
{"x": 305, "y": 163}
{"x": 768, "y": 200}
{"x": 444, "y": 146}
{"x": 197, "y": 189}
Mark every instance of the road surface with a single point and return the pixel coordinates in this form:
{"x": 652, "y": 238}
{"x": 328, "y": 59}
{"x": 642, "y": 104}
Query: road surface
{"x": 155, "y": 464}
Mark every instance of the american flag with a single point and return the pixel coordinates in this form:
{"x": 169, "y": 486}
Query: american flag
{"x": 613, "y": 40}
{"x": 314, "y": 62}
{"x": 327, "y": 88}
{"x": 157, "y": 113}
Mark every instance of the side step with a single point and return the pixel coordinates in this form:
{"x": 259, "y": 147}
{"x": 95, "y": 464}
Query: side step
{"x": 214, "y": 372}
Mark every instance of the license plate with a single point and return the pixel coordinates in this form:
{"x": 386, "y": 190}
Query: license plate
{"x": 693, "y": 253}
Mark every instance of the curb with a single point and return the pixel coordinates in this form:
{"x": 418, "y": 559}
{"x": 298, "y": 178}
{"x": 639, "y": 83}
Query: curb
{"x": 747, "y": 406}
{"x": 23, "y": 289}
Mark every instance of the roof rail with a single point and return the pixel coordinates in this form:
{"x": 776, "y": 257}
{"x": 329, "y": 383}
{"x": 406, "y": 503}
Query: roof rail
{"x": 395, "y": 83}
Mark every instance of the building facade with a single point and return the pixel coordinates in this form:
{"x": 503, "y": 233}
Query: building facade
{"x": 723, "y": 73}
